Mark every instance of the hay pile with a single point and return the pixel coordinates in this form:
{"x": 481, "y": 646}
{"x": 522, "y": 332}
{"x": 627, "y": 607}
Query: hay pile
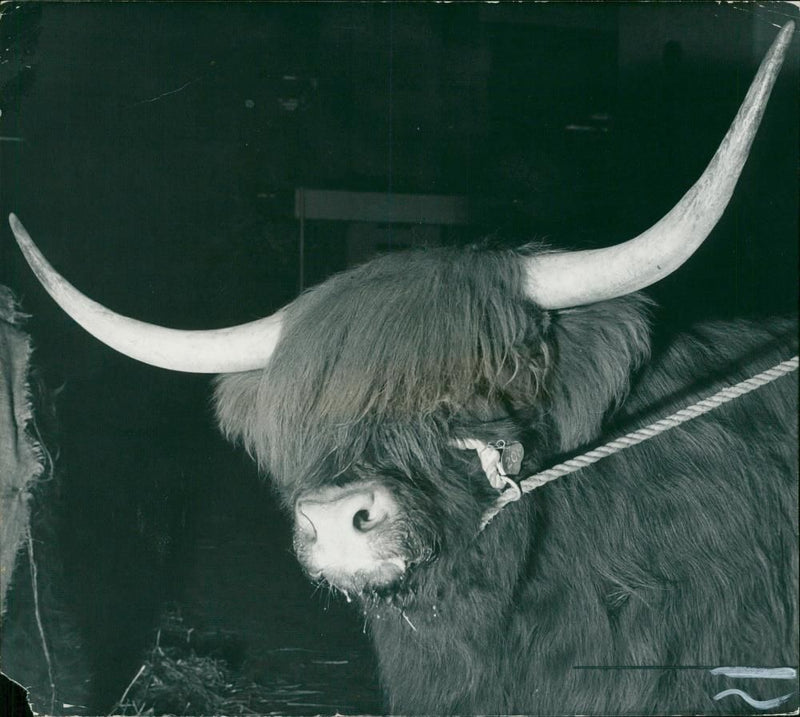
{"x": 175, "y": 680}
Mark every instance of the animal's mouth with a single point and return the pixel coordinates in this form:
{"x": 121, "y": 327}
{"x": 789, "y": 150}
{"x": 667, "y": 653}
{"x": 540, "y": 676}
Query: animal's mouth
{"x": 384, "y": 577}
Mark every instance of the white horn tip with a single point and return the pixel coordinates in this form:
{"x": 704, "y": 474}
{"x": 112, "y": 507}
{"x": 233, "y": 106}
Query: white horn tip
{"x": 20, "y": 233}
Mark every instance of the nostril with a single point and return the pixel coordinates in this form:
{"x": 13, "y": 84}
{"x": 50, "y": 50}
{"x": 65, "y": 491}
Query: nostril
{"x": 361, "y": 520}
{"x": 328, "y": 516}
{"x": 364, "y": 521}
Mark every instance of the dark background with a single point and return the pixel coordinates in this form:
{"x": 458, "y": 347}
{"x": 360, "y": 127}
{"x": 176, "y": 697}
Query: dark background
{"x": 153, "y": 150}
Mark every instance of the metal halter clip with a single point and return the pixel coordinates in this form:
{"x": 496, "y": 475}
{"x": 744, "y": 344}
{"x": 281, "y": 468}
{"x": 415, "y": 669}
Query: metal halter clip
{"x": 511, "y": 455}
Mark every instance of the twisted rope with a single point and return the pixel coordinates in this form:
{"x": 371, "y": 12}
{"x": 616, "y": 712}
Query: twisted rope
{"x": 643, "y": 434}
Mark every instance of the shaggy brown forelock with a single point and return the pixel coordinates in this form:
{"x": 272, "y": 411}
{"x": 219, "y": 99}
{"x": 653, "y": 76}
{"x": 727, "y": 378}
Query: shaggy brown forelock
{"x": 400, "y": 339}
{"x": 412, "y": 455}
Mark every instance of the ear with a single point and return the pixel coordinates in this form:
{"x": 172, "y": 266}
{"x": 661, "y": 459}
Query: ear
{"x": 596, "y": 349}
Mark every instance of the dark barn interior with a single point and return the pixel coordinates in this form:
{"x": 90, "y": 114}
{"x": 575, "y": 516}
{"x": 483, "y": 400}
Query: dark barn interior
{"x": 197, "y": 165}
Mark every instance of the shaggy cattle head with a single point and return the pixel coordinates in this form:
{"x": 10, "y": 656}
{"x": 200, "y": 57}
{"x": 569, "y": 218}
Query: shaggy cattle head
{"x": 357, "y": 397}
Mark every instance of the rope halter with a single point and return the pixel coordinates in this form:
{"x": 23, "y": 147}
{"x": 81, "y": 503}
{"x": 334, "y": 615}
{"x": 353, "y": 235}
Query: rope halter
{"x": 502, "y": 459}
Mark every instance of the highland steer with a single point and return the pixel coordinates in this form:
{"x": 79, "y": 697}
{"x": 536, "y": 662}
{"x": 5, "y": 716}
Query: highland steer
{"x": 392, "y": 404}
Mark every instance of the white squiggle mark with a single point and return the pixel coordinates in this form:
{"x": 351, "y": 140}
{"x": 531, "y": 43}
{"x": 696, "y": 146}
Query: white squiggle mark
{"x": 166, "y": 94}
{"x": 757, "y": 704}
{"x": 762, "y": 673}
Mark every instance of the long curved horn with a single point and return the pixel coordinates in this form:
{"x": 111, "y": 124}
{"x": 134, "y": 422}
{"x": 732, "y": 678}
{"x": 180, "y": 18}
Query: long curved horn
{"x": 236, "y": 348}
{"x": 564, "y": 279}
